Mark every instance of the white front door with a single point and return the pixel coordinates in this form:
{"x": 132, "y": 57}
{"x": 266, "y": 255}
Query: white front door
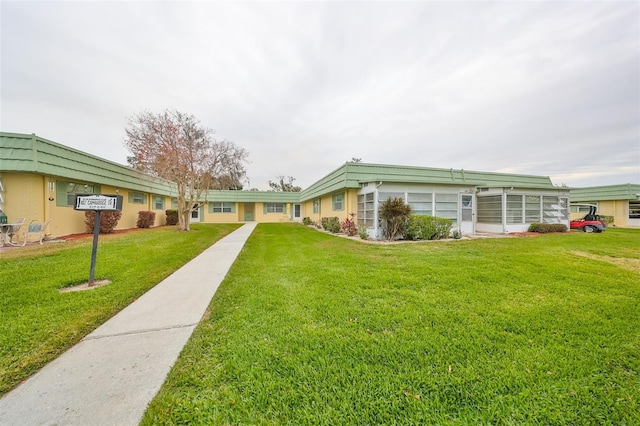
{"x": 466, "y": 214}
{"x": 195, "y": 214}
{"x": 297, "y": 212}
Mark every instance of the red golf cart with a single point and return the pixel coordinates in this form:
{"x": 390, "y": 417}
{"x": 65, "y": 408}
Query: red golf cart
{"x": 590, "y": 223}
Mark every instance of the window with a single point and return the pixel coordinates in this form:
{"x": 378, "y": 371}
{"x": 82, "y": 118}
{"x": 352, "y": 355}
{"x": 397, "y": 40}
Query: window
{"x": 66, "y": 192}
{"x": 222, "y": 207}
{"x": 634, "y": 209}
{"x": 447, "y": 206}
{"x": 365, "y": 210}
{"x": 174, "y": 203}
{"x": 532, "y": 208}
{"x": 137, "y": 198}
{"x": 274, "y": 208}
{"x": 158, "y": 202}
{"x": 316, "y": 206}
{"x": 338, "y": 202}
{"x": 384, "y": 196}
{"x": 490, "y": 209}
{"x": 467, "y": 208}
{"x": 421, "y": 203}
{"x": 554, "y": 209}
{"x": 514, "y": 208}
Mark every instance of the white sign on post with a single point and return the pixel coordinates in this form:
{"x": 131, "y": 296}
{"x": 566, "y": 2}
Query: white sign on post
{"x": 98, "y": 202}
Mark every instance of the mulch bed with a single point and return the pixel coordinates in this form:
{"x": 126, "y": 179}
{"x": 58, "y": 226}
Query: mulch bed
{"x": 73, "y": 237}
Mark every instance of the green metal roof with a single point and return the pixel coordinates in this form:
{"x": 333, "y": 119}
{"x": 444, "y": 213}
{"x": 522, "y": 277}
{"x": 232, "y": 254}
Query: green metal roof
{"x": 254, "y": 196}
{"x": 33, "y": 154}
{"x": 627, "y": 191}
{"x": 352, "y": 175}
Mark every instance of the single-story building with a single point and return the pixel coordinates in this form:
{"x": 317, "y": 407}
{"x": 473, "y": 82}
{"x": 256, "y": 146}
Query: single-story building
{"x": 40, "y": 178}
{"x": 622, "y": 202}
{"x": 475, "y": 201}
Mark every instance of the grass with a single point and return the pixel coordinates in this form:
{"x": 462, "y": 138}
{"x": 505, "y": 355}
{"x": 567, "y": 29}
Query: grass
{"x": 38, "y": 323}
{"x": 308, "y": 328}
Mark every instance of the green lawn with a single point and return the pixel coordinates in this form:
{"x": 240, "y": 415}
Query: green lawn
{"x": 38, "y": 323}
{"x": 309, "y": 328}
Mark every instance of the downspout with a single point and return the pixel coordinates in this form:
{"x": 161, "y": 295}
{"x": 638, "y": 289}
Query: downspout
{"x": 376, "y": 204}
{"x": 504, "y": 211}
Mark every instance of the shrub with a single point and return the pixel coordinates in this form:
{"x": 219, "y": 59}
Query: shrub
{"x": 146, "y": 219}
{"x": 362, "y": 232}
{"x": 331, "y": 224}
{"x": 172, "y": 217}
{"x": 108, "y": 220}
{"x": 421, "y": 227}
{"x": 607, "y": 220}
{"x": 395, "y": 215}
{"x": 307, "y": 221}
{"x": 545, "y": 228}
{"x": 349, "y": 227}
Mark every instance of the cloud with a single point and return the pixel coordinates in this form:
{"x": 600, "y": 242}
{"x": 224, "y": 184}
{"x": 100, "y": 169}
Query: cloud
{"x": 538, "y": 88}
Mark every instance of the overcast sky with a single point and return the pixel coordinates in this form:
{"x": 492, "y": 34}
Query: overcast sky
{"x": 544, "y": 88}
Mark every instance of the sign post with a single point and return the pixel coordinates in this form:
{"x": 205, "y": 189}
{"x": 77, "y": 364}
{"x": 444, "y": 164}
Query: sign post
{"x": 97, "y": 203}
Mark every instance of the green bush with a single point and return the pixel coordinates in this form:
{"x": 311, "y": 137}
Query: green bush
{"x": 331, "y": 224}
{"x": 172, "y": 217}
{"x": 395, "y": 215}
{"x": 362, "y": 232}
{"x": 421, "y": 227}
{"x": 607, "y": 220}
{"x": 307, "y": 221}
{"x": 146, "y": 219}
{"x": 545, "y": 228}
{"x": 108, "y": 220}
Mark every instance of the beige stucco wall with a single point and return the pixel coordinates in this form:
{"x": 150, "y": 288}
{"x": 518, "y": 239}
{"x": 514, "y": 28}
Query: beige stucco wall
{"x": 16, "y": 204}
{"x": 326, "y": 206}
{"x": 619, "y": 209}
{"x": 220, "y": 217}
{"x": 261, "y": 216}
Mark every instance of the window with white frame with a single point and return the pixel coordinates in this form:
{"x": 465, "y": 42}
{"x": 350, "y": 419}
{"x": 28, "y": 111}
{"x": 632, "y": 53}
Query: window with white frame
{"x": 490, "y": 209}
{"x": 365, "y": 210}
{"x": 514, "y": 208}
{"x": 634, "y": 209}
{"x": 532, "y": 208}
{"x": 137, "y": 198}
{"x": 338, "y": 202}
{"x": 316, "y": 206}
{"x": 158, "y": 202}
{"x": 555, "y": 209}
{"x": 384, "y": 196}
{"x": 221, "y": 207}
{"x": 420, "y": 203}
{"x": 447, "y": 206}
{"x": 274, "y": 208}
{"x": 66, "y": 192}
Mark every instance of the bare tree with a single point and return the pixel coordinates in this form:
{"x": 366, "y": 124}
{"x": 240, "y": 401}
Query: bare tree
{"x": 174, "y": 146}
{"x": 284, "y": 184}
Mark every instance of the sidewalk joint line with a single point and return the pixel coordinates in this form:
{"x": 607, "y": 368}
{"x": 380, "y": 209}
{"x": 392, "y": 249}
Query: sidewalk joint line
{"x": 146, "y": 330}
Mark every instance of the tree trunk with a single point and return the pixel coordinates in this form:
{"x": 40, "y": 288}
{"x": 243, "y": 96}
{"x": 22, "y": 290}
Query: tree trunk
{"x": 185, "y": 219}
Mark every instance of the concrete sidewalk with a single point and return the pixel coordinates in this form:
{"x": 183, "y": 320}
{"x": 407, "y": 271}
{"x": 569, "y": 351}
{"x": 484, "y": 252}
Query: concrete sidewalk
{"x": 110, "y": 376}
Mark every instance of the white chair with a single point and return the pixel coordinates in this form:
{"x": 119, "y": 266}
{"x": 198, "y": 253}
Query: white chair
{"x": 13, "y": 229}
{"x": 39, "y": 229}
